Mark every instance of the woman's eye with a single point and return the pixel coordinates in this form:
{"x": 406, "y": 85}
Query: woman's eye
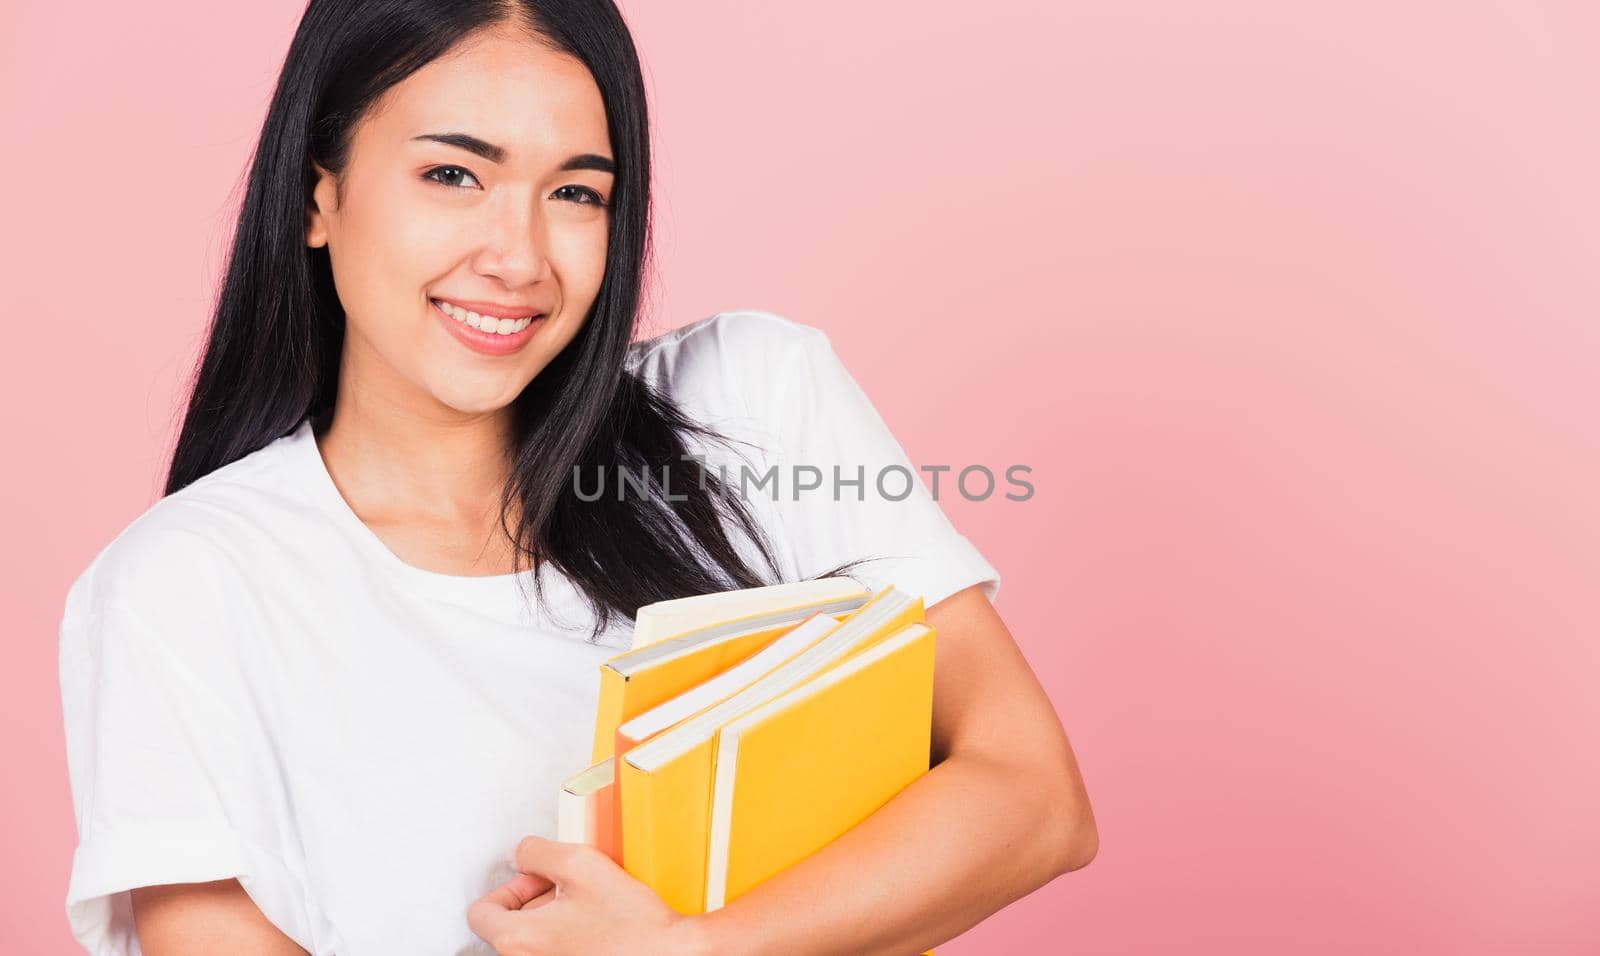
{"x": 450, "y": 175}
{"x": 587, "y": 196}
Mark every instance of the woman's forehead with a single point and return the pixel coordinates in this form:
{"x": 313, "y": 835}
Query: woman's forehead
{"x": 508, "y": 90}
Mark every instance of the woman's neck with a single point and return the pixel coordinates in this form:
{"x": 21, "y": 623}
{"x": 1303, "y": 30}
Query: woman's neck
{"x": 428, "y": 487}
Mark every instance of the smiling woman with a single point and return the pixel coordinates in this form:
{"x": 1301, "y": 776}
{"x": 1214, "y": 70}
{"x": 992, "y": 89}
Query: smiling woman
{"x": 495, "y": 237}
{"x": 321, "y": 696}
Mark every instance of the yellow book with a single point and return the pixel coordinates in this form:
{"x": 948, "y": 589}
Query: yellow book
{"x": 641, "y": 727}
{"x": 666, "y": 781}
{"x": 588, "y": 810}
{"x": 796, "y": 772}
{"x": 637, "y": 680}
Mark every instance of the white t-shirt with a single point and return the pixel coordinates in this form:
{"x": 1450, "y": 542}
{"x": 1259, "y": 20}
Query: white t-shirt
{"x": 255, "y": 686}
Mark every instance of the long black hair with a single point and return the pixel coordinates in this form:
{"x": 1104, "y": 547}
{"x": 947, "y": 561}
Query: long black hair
{"x": 273, "y": 350}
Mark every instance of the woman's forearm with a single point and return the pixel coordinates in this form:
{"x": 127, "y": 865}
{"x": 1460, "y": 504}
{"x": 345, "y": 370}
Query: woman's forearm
{"x": 958, "y": 844}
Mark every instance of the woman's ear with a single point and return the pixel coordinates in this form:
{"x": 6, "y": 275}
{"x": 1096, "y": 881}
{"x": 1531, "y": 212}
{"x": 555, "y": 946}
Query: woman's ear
{"x": 322, "y": 199}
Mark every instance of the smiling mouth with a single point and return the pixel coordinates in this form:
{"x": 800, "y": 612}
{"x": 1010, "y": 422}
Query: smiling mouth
{"x": 485, "y": 323}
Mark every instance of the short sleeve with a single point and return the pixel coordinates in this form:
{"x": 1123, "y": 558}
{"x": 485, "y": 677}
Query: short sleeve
{"x": 869, "y": 501}
{"x": 168, "y": 784}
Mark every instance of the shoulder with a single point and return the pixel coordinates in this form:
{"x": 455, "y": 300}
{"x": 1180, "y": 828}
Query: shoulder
{"x": 183, "y": 551}
{"x": 740, "y": 335}
{"x": 742, "y": 359}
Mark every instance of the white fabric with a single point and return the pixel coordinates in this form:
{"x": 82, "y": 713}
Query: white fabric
{"x": 254, "y": 686}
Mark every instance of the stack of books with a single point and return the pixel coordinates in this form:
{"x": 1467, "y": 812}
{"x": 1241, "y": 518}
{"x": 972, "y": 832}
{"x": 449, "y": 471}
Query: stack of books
{"x": 745, "y": 730}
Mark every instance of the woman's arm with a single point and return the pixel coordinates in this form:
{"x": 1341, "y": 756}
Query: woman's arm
{"x": 199, "y": 919}
{"x": 1002, "y": 812}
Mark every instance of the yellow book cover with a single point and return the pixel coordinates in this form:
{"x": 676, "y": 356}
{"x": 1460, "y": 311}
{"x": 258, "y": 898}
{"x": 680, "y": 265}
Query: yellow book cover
{"x": 638, "y": 729}
{"x": 798, "y": 771}
{"x": 637, "y": 680}
{"x": 666, "y": 781}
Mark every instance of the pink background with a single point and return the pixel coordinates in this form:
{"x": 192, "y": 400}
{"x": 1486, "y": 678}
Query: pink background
{"x": 1290, "y": 307}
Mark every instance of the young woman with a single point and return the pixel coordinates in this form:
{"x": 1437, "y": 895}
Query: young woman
{"x": 321, "y": 696}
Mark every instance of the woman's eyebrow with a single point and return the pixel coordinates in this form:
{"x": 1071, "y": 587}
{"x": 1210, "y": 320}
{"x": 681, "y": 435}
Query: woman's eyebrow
{"x": 497, "y": 154}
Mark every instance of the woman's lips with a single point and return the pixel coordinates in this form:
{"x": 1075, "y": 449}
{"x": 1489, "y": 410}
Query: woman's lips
{"x": 487, "y": 343}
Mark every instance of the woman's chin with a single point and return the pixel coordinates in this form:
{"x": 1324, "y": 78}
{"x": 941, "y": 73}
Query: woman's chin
{"x": 476, "y": 401}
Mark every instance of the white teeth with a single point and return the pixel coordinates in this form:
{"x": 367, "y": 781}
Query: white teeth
{"x": 484, "y": 322}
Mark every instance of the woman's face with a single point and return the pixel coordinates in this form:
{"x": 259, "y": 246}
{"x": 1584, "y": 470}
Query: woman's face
{"x": 480, "y": 182}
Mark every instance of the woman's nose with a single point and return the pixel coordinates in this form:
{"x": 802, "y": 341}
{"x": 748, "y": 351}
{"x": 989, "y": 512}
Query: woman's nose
{"x": 515, "y": 248}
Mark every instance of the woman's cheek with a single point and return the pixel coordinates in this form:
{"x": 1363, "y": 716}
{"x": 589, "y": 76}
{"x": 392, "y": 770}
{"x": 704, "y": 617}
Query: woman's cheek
{"x": 580, "y": 258}
{"x": 425, "y": 241}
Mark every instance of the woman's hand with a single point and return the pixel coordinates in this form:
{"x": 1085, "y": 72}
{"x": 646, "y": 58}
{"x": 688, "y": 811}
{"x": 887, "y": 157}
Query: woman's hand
{"x": 571, "y": 898}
